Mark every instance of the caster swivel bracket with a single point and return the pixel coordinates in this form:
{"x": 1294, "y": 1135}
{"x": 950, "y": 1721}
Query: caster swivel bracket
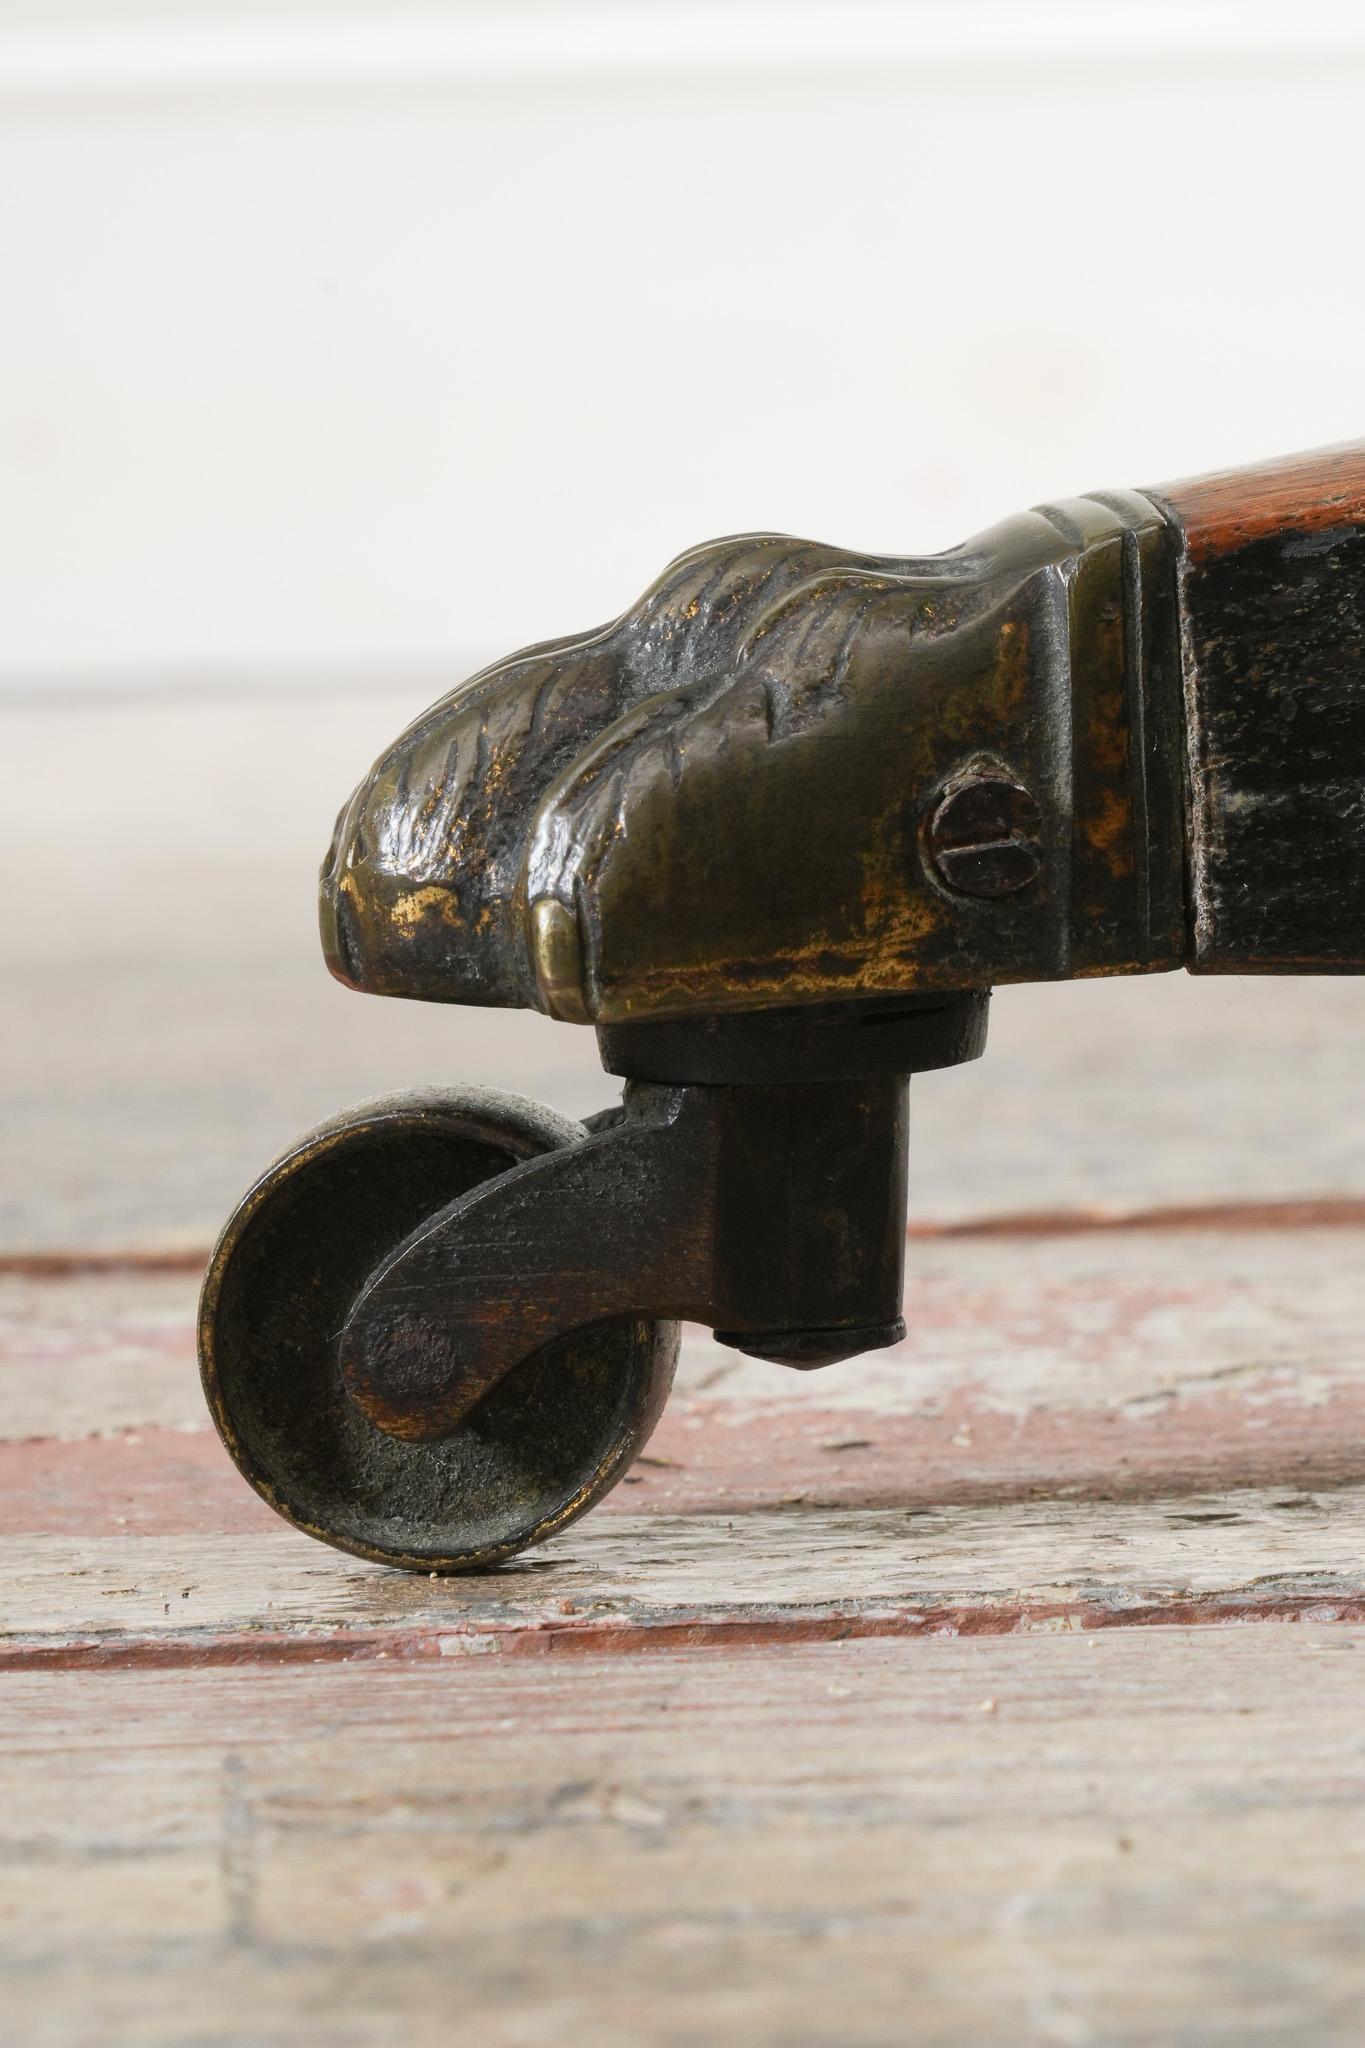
{"x": 771, "y": 1209}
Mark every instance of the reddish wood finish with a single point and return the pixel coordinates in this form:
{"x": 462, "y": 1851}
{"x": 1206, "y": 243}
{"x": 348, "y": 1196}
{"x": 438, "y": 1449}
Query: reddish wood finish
{"x": 1305, "y": 493}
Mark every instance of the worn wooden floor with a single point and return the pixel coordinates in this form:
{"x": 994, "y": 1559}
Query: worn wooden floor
{"x": 1005, "y": 1689}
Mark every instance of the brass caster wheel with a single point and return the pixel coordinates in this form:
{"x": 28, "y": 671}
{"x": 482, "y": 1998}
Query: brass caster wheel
{"x": 544, "y": 1443}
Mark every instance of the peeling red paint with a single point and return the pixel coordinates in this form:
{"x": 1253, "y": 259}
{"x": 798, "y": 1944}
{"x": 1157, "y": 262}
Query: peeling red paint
{"x": 624, "y": 1635}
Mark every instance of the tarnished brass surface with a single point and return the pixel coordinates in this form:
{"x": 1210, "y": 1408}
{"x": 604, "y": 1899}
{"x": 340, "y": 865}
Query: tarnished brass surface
{"x": 725, "y": 800}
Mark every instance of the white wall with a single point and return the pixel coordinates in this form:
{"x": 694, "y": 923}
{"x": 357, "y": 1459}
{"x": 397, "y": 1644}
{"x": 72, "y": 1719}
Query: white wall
{"x": 365, "y": 339}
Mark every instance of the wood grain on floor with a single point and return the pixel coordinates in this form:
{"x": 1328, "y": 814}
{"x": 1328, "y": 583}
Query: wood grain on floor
{"x": 1130, "y": 1837}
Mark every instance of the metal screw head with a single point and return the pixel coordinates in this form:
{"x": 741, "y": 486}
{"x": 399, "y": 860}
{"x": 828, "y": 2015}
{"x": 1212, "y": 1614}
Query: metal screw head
{"x": 985, "y": 835}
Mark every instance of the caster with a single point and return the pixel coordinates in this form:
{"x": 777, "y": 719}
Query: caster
{"x": 774, "y": 833}
{"x": 442, "y": 1326}
{"x": 549, "y": 1441}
